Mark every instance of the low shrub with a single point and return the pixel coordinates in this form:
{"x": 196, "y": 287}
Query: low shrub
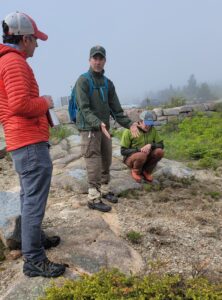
{"x": 214, "y": 195}
{"x": 59, "y": 132}
{"x": 198, "y": 138}
{"x": 134, "y": 237}
{"x": 114, "y": 285}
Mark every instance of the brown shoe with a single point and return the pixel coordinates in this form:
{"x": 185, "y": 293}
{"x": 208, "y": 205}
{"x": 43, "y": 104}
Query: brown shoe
{"x": 136, "y": 175}
{"x": 147, "y": 176}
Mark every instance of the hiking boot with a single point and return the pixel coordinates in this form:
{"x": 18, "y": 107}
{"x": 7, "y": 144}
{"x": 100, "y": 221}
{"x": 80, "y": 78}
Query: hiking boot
{"x": 110, "y": 197}
{"x": 44, "y": 268}
{"x": 99, "y": 206}
{"x": 147, "y": 176}
{"x": 136, "y": 175}
{"x": 51, "y": 241}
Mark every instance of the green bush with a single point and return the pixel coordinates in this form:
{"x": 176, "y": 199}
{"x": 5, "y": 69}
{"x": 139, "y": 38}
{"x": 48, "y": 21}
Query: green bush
{"x": 59, "y": 132}
{"x": 114, "y": 285}
{"x": 198, "y": 138}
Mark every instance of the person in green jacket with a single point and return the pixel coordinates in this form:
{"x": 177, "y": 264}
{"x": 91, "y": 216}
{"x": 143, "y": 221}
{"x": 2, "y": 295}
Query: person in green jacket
{"x": 97, "y": 100}
{"x": 142, "y": 153}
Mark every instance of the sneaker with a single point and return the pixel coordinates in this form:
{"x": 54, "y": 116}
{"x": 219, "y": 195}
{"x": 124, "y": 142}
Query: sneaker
{"x": 110, "y": 197}
{"x": 99, "y": 206}
{"x": 44, "y": 268}
{"x": 51, "y": 241}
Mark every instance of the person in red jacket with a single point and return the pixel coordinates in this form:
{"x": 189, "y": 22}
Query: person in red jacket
{"x": 23, "y": 114}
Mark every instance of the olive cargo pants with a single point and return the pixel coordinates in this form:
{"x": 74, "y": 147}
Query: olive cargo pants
{"x": 97, "y": 151}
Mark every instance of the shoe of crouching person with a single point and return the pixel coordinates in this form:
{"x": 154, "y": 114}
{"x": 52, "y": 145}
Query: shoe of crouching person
{"x": 136, "y": 175}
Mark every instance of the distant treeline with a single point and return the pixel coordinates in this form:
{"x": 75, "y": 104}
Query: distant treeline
{"x": 191, "y": 92}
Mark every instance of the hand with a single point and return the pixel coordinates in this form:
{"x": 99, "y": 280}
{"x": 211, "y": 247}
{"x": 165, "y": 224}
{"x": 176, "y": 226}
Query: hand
{"x": 49, "y": 101}
{"x": 134, "y": 130}
{"x": 146, "y": 148}
{"x": 104, "y": 130}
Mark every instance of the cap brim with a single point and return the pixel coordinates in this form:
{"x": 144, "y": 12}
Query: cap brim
{"x": 148, "y": 123}
{"x": 41, "y": 36}
{"x": 97, "y": 52}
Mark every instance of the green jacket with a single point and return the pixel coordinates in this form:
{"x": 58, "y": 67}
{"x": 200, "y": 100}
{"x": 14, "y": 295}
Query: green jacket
{"x": 92, "y": 111}
{"x": 130, "y": 144}
{"x": 128, "y": 141}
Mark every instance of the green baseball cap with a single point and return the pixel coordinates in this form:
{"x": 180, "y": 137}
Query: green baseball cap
{"x": 97, "y": 50}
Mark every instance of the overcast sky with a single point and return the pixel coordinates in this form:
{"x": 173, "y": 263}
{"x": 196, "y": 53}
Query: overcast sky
{"x": 150, "y": 43}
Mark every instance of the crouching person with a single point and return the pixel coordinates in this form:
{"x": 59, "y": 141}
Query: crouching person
{"x": 141, "y": 154}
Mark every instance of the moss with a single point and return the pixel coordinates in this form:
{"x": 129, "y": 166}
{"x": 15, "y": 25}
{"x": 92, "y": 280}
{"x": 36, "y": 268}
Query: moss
{"x": 130, "y": 194}
{"x": 114, "y": 285}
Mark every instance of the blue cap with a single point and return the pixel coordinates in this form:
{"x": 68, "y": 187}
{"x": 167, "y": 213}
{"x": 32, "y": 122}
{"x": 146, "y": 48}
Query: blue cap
{"x": 147, "y": 118}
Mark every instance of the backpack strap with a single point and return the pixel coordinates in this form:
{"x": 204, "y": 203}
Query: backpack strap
{"x": 91, "y": 84}
{"x": 101, "y": 89}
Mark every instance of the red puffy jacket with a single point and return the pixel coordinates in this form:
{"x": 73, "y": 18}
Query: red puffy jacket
{"x": 22, "y": 111}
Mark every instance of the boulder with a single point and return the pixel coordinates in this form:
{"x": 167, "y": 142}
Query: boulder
{"x": 63, "y": 115}
{"x": 57, "y": 152}
{"x": 185, "y": 108}
{"x": 10, "y": 219}
{"x": 158, "y": 112}
{"x": 133, "y": 114}
{"x": 173, "y": 170}
{"x": 171, "y": 111}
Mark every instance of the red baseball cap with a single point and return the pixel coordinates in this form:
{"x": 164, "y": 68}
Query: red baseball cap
{"x": 22, "y": 24}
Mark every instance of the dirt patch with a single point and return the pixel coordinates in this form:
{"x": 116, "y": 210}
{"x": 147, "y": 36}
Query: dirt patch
{"x": 181, "y": 228}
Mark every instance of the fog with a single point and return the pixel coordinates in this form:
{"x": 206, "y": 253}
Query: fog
{"x": 150, "y": 44}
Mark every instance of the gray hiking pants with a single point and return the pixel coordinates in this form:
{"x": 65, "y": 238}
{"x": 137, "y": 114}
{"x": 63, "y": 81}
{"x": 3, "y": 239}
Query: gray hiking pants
{"x": 97, "y": 150}
{"x": 34, "y": 167}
